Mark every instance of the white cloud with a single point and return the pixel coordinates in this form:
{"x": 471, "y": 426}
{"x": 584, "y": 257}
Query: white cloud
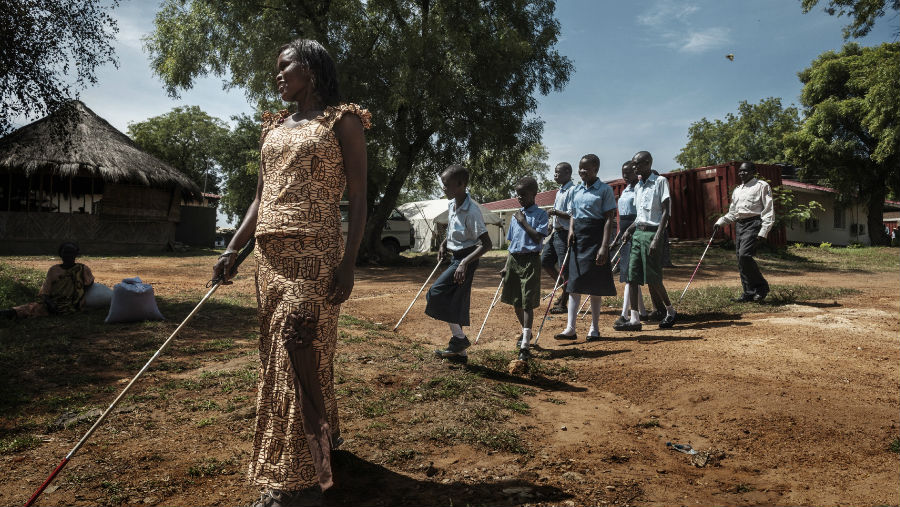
{"x": 698, "y": 42}
{"x": 664, "y": 12}
{"x": 674, "y": 25}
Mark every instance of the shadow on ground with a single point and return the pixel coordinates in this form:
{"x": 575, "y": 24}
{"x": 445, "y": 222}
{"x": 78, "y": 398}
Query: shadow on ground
{"x": 80, "y": 352}
{"x": 360, "y": 483}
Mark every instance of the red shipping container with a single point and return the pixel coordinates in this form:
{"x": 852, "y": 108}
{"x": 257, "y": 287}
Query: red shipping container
{"x": 699, "y": 196}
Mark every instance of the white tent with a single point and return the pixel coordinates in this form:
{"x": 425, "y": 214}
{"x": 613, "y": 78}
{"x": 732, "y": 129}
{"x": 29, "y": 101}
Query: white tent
{"x": 427, "y": 216}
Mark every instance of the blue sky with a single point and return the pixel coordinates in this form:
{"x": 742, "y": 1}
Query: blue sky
{"x": 644, "y": 71}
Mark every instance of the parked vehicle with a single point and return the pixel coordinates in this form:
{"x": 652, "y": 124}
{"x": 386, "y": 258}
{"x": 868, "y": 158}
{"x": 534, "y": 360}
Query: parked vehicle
{"x": 397, "y": 235}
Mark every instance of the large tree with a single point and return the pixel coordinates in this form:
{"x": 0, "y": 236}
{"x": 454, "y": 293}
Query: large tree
{"x": 532, "y": 162}
{"x": 862, "y": 13}
{"x": 239, "y": 162}
{"x": 755, "y": 133}
{"x": 49, "y": 50}
{"x": 188, "y": 139}
{"x": 851, "y": 135}
{"x": 445, "y": 80}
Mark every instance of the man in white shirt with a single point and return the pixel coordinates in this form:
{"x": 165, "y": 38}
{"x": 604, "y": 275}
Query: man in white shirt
{"x": 752, "y": 212}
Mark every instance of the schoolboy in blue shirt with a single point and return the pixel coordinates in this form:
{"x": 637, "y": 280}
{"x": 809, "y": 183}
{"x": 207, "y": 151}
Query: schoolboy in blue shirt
{"x": 557, "y": 246}
{"x": 522, "y": 273}
{"x": 646, "y": 233}
{"x": 467, "y": 240}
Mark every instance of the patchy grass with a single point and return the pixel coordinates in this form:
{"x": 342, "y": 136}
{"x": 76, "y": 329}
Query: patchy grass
{"x": 19, "y": 285}
{"x": 212, "y": 467}
{"x": 717, "y": 299}
{"x": 865, "y": 259}
{"x": 894, "y": 446}
{"x": 18, "y": 444}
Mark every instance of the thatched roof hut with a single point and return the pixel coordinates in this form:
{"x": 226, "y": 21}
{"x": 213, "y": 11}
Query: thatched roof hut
{"x": 73, "y": 176}
{"x": 74, "y": 141}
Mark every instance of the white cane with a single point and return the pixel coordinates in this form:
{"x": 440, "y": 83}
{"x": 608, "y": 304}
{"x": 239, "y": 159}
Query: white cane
{"x": 494, "y": 301}
{"x": 417, "y": 294}
{"x": 556, "y": 286}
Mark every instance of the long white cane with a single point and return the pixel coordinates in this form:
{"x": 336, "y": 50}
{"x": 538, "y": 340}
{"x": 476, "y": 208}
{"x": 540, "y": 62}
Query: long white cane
{"x": 433, "y": 271}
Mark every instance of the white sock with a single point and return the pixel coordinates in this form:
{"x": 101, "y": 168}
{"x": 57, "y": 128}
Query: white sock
{"x": 457, "y": 331}
{"x": 595, "y": 314}
{"x": 574, "y": 303}
{"x": 526, "y": 334}
{"x": 635, "y": 317}
{"x": 641, "y": 307}
{"x": 670, "y": 310}
{"x": 626, "y": 300}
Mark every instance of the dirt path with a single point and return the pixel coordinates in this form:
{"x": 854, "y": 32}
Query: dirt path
{"x": 801, "y": 402}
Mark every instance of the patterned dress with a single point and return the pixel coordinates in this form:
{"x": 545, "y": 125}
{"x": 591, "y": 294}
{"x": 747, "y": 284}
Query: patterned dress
{"x": 299, "y": 246}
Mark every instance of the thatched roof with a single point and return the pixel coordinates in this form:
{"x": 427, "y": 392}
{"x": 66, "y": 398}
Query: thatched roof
{"x": 74, "y": 141}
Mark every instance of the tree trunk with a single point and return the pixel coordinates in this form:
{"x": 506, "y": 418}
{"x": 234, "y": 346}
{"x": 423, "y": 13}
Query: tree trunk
{"x": 371, "y": 245}
{"x": 875, "y": 209}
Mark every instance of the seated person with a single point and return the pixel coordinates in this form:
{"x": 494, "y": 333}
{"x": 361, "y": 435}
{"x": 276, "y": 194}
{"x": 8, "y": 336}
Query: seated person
{"x": 63, "y": 289}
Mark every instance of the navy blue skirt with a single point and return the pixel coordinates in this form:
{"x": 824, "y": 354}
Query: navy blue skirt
{"x": 585, "y": 276}
{"x": 448, "y": 300}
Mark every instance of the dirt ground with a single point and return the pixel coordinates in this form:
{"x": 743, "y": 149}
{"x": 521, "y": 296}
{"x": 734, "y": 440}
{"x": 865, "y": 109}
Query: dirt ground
{"x": 797, "y": 405}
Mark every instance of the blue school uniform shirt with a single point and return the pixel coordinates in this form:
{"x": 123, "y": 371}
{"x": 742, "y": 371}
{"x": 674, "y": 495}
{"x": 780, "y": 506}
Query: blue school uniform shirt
{"x": 626, "y": 201}
{"x": 649, "y": 197}
{"x": 519, "y": 240}
{"x": 464, "y": 224}
{"x": 561, "y": 203}
{"x": 593, "y": 201}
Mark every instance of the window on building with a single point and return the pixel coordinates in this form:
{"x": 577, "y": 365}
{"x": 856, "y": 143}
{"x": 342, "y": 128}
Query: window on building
{"x": 839, "y": 222}
{"x": 811, "y": 225}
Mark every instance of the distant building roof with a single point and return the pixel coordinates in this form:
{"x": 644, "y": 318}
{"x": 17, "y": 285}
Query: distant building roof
{"x": 541, "y": 199}
{"x": 807, "y": 186}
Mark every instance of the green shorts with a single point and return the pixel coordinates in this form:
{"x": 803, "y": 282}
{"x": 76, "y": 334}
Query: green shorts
{"x": 522, "y": 283}
{"x": 643, "y": 267}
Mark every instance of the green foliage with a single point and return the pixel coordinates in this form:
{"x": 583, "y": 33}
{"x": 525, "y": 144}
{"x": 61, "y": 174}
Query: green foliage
{"x": 825, "y": 245}
{"x": 862, "y": 13}
{"x": 850, "y": 137}
{"x": 239, "y": 162}
{"x": 429, "y": 72}
{"x": 188, "y": 139}
{"x": 506, "y": 173}
{"x": 44, "y": 44}
{"x": 756, "y": 133}
{"x": 788, "y": 211}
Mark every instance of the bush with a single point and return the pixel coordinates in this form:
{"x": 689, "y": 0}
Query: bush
{"x": 825, "y": 245}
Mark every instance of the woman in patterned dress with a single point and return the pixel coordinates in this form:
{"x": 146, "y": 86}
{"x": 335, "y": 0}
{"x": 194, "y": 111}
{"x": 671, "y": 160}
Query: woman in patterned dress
{"x": 304, "y": 269}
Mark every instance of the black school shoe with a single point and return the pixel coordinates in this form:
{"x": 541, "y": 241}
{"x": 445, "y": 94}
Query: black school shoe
{"x": 667, "y": 322}
{"x": 621, "y": 320}
{"x": 561, "y": 336}
{"x": 655, "y": 315}
{"x": 628, "y": 326}
{"x": 524, "y": 354}
{"x": 455, "y": 350}
{"x": 744, "y": 298}
{"x": 759, "y": 297}
{"x": 556, "y": 310}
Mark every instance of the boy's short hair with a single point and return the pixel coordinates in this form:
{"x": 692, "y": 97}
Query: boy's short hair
{"x": 460, "y": 173}
{"x": 527, "y": 183}
{"x": 564, "y": 165}
{"x": 592, "y": 159}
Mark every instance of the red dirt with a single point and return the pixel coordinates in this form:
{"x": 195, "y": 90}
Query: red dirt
{"x": 803, "y": 402}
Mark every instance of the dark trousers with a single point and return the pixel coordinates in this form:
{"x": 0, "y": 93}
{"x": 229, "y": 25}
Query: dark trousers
{"x": 555, "y": 251}
{"x": 746, "y": 231}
